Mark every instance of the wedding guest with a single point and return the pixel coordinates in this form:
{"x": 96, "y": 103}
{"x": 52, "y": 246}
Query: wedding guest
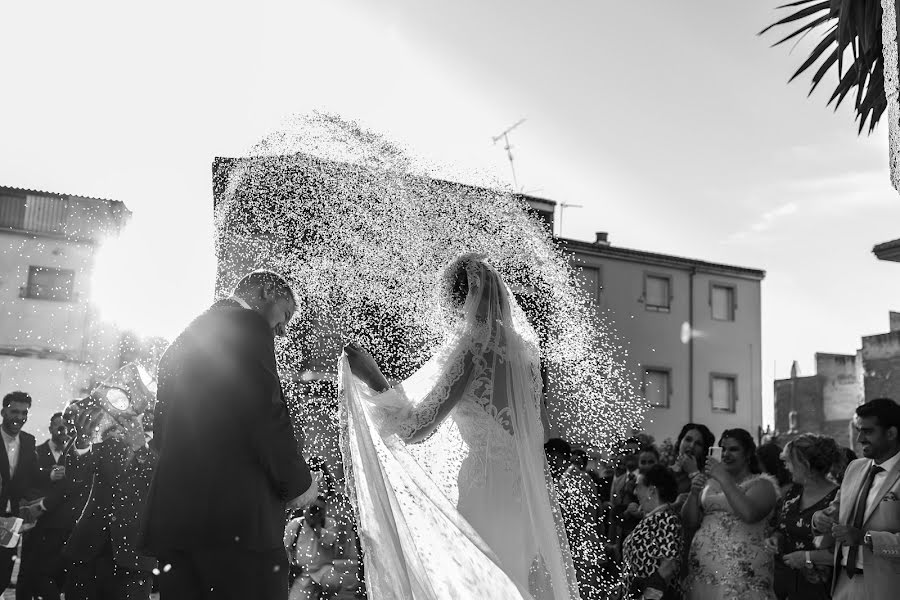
{"x": 103, "y": 545}
{"x": 588, "y": 466}
{"x": 803, "y": 571}
{"x": 50, "y": 453}
{"x": 730, "y": 504}
{"x": 622, "y": 488}
{"x": 626, "y": 464}
{"x": 43, "y": 568}
{"x": 769, "y": 456}
{"x": 647, "y": 458}
{"x": 837, "y": 472}
{"x": 19, "y": 471}
{"x": 602, "y": 474}
{"x": 322, "y": 545}
{"x": 691, "y": 448}
{"x": 582, "y": 506}
{"x": 559, "y": 455}
{"x": 864, "y": 519}
{"x": 626, "y": 511}
{"x": 652, "y": 552}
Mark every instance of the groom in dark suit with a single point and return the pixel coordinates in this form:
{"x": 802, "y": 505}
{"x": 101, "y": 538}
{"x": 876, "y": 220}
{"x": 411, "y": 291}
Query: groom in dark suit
{"x": 228, "y": 460}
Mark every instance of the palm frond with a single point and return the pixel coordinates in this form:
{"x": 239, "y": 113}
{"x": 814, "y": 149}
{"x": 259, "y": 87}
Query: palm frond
{"x": 847, "y": 26}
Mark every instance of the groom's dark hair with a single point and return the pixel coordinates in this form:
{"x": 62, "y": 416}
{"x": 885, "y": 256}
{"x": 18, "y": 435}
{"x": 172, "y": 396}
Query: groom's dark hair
{"x": 262, "y": 278}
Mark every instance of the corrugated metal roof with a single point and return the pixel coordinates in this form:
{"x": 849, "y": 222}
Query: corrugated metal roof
{"x": 55, "y": 194}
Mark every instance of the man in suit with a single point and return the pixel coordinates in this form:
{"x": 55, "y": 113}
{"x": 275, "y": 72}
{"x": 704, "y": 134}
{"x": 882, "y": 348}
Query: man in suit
{"x": 112, "y": 456}
{"x": 50, "y": 453}
{"x": 43, "y": 568}
{"x": 18, "y": 468}
{"x": 228, "y": 460}
{"x": 864, "y": 518}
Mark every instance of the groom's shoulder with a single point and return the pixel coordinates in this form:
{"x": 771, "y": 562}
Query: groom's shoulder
{"x": 227, "y": 315}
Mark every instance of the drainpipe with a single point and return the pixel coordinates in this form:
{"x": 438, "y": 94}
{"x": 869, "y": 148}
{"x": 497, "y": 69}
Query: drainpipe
{"x": 691, "y": 345}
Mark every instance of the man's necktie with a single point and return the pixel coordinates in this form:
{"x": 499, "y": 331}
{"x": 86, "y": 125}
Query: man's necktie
{"x": 859, "y": 514}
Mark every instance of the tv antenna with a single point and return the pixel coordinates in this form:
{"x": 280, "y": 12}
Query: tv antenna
{"x": 562, "y": 207}
{"x": 505, "y": 137}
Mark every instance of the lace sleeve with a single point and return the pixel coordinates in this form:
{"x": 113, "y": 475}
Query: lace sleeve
{"x": 469, "y": 372}
{"x": 470, "y": 364}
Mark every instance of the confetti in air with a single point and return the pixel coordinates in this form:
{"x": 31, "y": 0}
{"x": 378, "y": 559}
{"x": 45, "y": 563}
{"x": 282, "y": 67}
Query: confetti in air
{"x": 363, "y": 231}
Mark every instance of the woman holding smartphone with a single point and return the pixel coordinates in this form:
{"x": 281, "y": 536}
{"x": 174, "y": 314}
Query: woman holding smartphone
{"x": 730, "y": 505}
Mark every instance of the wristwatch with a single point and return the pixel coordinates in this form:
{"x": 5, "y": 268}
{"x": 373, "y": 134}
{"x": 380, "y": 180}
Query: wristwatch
{"x": 867, "y": 540}
{"x": 809, "y": 562}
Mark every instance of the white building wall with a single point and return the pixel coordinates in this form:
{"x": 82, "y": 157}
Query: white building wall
{"x": 46, "y": 325}
{"x": 655, "y": 340}
{"x": 48, "y": 348}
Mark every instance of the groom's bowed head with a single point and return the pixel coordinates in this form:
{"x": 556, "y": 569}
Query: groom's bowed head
{"x": 270, "y": 295}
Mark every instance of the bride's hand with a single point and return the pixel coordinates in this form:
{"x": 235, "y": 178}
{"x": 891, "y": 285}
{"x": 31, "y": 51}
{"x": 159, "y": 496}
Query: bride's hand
{"x": 358, "y": 356}
{"x": 364, "y": 367}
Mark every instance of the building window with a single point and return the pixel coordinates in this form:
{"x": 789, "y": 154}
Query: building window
{"x": 721, "y": 299}
{"x": 45, "y": 283}
{"x": 723, "y": 390}
{"x": 657, "y": 292}
{"x": 591, "y": 282}
{"x": 12, "y": 210}
{"x": 657, "y": 387}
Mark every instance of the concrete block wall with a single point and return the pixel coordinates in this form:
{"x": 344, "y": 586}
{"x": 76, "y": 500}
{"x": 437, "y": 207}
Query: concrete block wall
{"x": 881, "y": 364}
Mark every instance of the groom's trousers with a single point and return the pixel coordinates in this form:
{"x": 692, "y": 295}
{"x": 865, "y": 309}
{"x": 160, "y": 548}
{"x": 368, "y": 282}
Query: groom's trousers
{"x": 224, "y": 573}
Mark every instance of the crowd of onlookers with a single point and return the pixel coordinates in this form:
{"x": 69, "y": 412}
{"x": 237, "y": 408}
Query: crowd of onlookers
{"x": 80, "y": 503}
{"x": 705, "y": 518}
{"x": 725, "y": 518}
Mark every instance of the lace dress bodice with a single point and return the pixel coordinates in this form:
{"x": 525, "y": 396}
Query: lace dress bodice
{"x": 486, "y": 433}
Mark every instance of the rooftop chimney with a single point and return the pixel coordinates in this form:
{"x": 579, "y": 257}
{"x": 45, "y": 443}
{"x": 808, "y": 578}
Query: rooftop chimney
{"x": 602, "y": 238}
{"x": 895, "y": 321}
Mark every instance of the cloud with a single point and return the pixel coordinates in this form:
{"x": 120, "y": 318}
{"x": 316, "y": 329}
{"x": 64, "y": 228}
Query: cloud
{"x": 766, "y": 221}
{"x": 830, "y": 196}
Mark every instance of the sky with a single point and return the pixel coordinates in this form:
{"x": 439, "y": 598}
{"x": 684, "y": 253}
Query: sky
{"x": 671, "y": 123}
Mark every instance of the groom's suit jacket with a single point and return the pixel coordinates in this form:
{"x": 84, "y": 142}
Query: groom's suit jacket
{"x": 881, "y": 565}
{"x": 228, "y": 459}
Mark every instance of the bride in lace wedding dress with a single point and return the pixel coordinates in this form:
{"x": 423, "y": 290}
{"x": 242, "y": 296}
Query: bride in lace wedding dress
{"x": 446, "y": 469}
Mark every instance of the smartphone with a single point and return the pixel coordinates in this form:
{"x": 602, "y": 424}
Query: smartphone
{"x": 716, "y": 453}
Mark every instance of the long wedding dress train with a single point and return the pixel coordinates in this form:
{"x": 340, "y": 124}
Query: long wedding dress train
{"x": 447, "y": 470}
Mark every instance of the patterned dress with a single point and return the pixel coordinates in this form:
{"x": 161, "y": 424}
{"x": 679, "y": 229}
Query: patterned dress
{"x": 658, "y": 536}
{"x": 727, "y": 558}
{"x": 795, "y": 525}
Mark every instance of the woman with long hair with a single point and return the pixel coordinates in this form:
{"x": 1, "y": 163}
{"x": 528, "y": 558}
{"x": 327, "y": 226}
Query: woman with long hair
{"x": 447, "y": 468}
{"x": 691, "y": 447}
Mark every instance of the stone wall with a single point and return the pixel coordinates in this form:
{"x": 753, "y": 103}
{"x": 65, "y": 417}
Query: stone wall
{"x": 881, "y": 363}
